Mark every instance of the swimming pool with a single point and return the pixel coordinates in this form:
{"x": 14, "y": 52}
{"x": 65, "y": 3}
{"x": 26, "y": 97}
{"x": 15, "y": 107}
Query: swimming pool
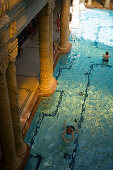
{"x": 85, "y": 93}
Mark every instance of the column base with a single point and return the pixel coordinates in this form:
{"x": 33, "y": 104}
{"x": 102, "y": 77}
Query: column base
{"x": 21, "y": 153}
{"x": 19, "y": 163}
{"x": 64, "y": 50}
{"x": 15, "y": 166}
{"x": 48, "y": 92}
{"x": 25, "y": 158}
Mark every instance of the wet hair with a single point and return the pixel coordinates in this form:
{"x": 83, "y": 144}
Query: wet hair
{"x": 107, "y": 53}
{"x": 72, "y": 129}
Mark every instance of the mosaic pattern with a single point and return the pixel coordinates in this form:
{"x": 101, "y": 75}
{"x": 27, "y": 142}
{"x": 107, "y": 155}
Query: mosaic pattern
{"x": 84, "y": 93}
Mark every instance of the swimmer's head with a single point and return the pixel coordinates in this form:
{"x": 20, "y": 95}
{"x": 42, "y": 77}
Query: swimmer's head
{"x": 75, "y": 120}
{"x": 69, "y": 130}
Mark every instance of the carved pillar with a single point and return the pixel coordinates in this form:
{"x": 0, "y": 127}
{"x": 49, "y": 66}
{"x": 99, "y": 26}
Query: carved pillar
{"x": 107, "y": 4}
{"x": 9, "y": 160}
{"x": 13, "y": 99}
{"x": 64, "y": 46}
{"x": 89, "y": 3}
{"x": 51, "y": 42}
{"x": 47, "y": 82}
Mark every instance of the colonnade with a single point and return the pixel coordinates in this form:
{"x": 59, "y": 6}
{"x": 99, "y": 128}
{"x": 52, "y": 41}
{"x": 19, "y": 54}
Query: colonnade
{"x": 13, "y": 148}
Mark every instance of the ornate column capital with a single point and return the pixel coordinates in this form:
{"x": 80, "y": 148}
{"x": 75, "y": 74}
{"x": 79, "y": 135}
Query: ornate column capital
{"x": 47, "y": 8}
{"x": 51, "y": 4}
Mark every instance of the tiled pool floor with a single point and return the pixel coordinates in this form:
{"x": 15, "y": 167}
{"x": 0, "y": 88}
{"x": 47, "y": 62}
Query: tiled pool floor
{"x": 85, "y": 93}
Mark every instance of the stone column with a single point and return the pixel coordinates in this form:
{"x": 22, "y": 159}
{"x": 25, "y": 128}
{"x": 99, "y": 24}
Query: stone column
{"x": 89, "y": 3}
{"x": 51, "y": 42}
{"x": 69, "y": 18}
{"x": 107, "y": 4}
{"x": 47, "y": 82}
{"x": 14, "y": 100}
{"x": 9, "y": 160}
{"x": 65, "y": 45}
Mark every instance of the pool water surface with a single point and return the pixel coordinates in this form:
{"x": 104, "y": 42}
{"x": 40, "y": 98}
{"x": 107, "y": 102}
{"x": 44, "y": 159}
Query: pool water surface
{"x": 85, "y": 93}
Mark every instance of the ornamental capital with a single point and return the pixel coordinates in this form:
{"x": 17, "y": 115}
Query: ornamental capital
{"x": 51, "y": 3}
{"x": 47, "y": 9}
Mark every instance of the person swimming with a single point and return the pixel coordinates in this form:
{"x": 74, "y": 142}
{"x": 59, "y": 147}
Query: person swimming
{"x": 106, "y": 57}
{"x": 69, "y": 130}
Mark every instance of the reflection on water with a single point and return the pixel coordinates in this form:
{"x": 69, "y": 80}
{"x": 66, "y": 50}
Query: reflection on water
{"x": 48, "y": 102}
{"x": 85, "y": 94}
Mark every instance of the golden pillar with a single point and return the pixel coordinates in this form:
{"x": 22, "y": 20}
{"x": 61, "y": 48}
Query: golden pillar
{"x": 9, "y": 159}
{"x": 51, "y": 43}
{"x": 65, "y": 45}
{"x": 47, "y": 82}
{"x": 89, "y": 3}
{"x": 107, "y": 4}
{"x": 68, "y": 18}
{"x": 14, "y": 100}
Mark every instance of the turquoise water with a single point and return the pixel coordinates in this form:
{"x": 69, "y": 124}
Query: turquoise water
{"x": 85, "y": 93}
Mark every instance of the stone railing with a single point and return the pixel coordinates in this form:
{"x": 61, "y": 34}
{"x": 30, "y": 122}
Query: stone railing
{"x": 6, "y": 5}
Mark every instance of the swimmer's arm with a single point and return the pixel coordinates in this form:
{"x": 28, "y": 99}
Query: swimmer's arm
{"x": 106, "y": 55}
{"x": 64, "y": 137}
{"x": 64, "y": 126}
